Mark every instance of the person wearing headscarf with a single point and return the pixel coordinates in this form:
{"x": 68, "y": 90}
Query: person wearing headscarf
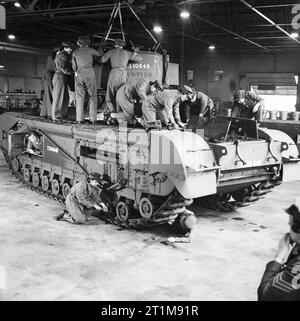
{"x": 248, "y": 104}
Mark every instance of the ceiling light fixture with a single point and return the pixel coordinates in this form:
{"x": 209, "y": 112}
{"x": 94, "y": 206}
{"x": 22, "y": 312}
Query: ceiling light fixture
{"x": 11, "y": 37}
{"x": 294, "y": 35}
{"x": 157, "y": 29}
{"x": 212, "y": 47}
{"x": 184, "y": 14}
{"x": 17, "y": 5}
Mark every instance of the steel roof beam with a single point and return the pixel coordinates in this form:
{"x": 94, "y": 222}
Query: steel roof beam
{"x": 269, "y": 20}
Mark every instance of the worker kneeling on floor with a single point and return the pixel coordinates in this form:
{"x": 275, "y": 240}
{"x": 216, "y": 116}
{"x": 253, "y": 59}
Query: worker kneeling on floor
{"x": 83, "y": 201}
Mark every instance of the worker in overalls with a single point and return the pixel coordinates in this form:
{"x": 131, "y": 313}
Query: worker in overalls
{"x": 85, "y": 79}
{"x": 119, "y": 59}
{"x": 60, "y": 92}
{"x": 165, "y": 106}
{"x": 132, "y": 94}
{"x": 281, "y": 280}
{"x": 248, "y": 104}
{"x": 197, "y": 109}
{"x": 83, "y": 201}
{"x": 46, "y": 107}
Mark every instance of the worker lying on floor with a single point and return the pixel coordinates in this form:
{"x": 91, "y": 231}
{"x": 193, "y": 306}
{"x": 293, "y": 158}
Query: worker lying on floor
{"x": 119, "y": 59}
{"x": 132, "y": 94}
{"x": 165, "y": 105}
{"x": 83, "y": 200}
{"x": 34, "y": 144}
{"x": 281, "y": 280}
{"x": 247, "y": 104}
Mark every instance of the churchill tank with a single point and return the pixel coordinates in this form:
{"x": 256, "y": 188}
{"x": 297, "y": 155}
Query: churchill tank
{"x": 151, "y": 177}
{"x": 148, "y": 178}
{"x": 252, "y": 159}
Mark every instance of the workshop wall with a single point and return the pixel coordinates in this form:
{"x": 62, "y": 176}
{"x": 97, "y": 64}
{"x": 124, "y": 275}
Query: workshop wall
{"x": 22, "y": 70}
{"x": 208, "y": 77}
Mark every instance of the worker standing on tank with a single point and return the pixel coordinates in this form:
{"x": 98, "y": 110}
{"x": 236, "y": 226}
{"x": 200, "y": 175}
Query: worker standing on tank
{"x": 46, "y": 107}
{"x": 247, "y": 104}
{"x": 165, "y": 105}
{"x": 85, "y": 79}
{"x": 63, "y": 68}
{"x": 132, "y": 94}
{"x": 119, "y": 59}
{"x": 83, "y": 201}
{"x": 281, "y": 280}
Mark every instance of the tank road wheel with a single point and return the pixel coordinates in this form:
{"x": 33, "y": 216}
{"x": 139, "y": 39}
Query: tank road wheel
{"x": 55, "y": 187}
{"x": 65, "y": 190}
{"x": 45, "y": 183}
{"x": 122, "y": 211}
{"x": 146, "y": 208}
{"x": 35, "y": 179}
{"x": 26, "y": 175}
{"x": 15, "y": 165}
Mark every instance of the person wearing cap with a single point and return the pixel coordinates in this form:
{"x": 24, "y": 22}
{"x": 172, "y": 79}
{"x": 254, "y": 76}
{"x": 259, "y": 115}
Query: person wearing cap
{"x": 132, "y": 94}
{"x": 85, "y": 78}
{"x": 46, "y": 107}
{"x": 165, "y": 105}
{"x": 198, "y": 104}
{"x": 119, "y": 59}
{"x": 60, "y": 92}
{"x": 281, "y": 279}
{"x": 83, "y": 200}
{"x": 247, "y": 104}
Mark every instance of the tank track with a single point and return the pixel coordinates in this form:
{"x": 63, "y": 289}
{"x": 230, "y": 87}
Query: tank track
{"x": 168, "y": 212}
{"x": 242, "y": 198}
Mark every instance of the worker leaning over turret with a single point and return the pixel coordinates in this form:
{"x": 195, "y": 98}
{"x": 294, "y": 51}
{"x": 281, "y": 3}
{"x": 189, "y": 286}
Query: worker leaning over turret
{"x": 85, "y": 79}
{"x": 119, "y": 59}
{"x": 132, "y": 94}
{"x": 165, "y": 105}
{"x": 198, "y": 104}
{"x": 248, "y": 104}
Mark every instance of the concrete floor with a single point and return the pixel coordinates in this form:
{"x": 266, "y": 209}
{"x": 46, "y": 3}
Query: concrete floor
{"x": 49, "y": 260}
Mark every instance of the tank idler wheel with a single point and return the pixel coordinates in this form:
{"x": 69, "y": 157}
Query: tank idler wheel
{"x": 65, "y": 190}
{"x": 146, "y": 208}
{"x": 55, "y": 187}
{"x": 15, "y": 165}
{"x": 45, "y": 183}
{"x": 123, "y": 211}
{"x": 26, "y": 175}
{"x": 35, "y": 179}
